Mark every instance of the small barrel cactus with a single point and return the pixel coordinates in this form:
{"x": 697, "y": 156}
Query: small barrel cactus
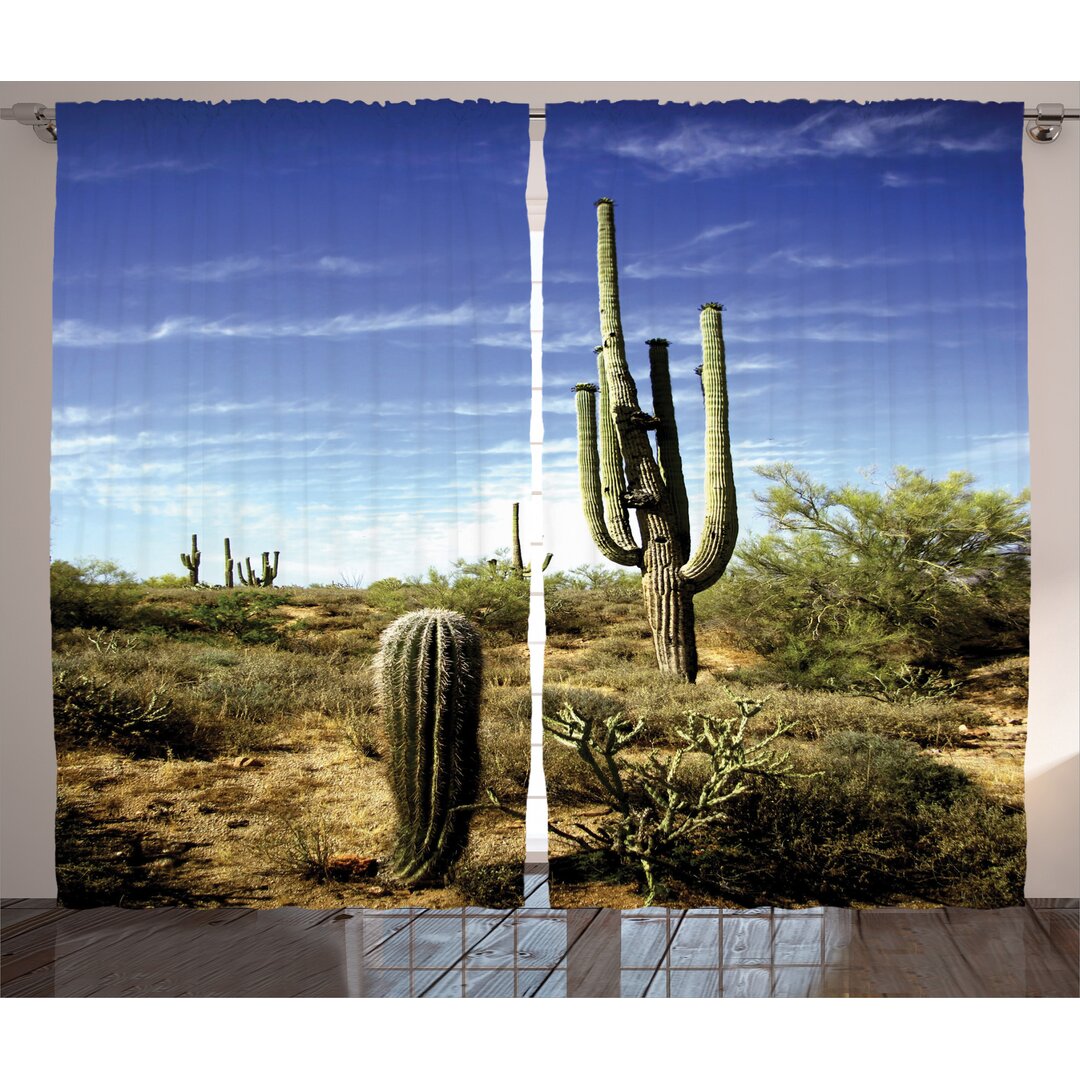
{"x": 429, "y": 672}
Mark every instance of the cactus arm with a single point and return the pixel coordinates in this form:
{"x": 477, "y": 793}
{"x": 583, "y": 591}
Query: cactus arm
{"x": 547, "y": 561}
{"x": 667, "y": 440}
{"x": 274, "y": 571}
{"x": 251, "y": 578}
{"x": 589, "y": 475}
{"x": 720, "y": 528}
{"x": 191, "y": 562}
{"x": 612, "y": 477}
{"x": 229, "y": 581}
{"x": 240, "y": 571}
{"x": 644, "y": 482}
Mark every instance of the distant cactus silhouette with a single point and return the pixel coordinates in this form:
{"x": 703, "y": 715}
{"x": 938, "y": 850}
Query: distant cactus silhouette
{"x": 191, "y": 562}
{"x": 619, "y": 472}
{"x": 269, "y": 572}
{"x": 516, "y": 564}
{"x": 229, "y": 581}
{"x": 429, "y": 680}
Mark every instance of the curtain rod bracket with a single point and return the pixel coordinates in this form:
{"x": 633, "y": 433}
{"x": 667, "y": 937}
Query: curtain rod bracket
{"x": 35, "y": 115}
{"x": 1045, "y": 125}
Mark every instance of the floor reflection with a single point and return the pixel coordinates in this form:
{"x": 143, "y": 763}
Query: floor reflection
{"x": 538, "y": 952}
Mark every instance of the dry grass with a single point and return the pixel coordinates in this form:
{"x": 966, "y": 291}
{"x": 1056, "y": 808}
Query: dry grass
{"x": 292, "y": 766}
{"x": 603, "y": 663}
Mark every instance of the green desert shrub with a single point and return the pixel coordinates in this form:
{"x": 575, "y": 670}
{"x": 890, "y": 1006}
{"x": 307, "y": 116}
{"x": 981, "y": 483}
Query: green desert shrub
{"x": 873, "y": 820}
{"x": 852, "y": 583}
{"x": 492, "y": 597}
{"x": 95, "y": 712}
{"x": 95, "y": 594}
{"x": 167, "y": 581}
{"x": 491, "y": 885}
{"x": 245, "y": 615}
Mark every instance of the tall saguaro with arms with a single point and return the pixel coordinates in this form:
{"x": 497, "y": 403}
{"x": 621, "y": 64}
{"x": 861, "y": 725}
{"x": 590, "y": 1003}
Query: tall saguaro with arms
{"x": 620, "y": 470}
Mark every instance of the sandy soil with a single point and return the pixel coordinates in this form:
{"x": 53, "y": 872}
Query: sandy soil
{"x": 218, "y": 831}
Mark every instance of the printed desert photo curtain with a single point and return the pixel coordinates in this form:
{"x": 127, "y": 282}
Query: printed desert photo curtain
{"x": 290, "y": 437}
{"x": 785, "y": 489}
{"x": 785, "y": 475}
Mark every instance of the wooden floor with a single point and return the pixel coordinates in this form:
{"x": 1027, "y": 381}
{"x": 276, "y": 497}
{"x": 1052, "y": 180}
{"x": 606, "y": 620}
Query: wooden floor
{"x": 539, "y": 952}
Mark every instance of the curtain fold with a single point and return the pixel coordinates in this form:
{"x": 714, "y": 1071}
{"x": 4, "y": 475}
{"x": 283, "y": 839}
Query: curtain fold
{"x": 790, "y": 667}
{"x": 291, "y": 414}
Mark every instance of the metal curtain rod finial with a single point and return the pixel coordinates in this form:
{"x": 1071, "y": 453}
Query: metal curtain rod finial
{"x": 1044, "y": 121}
{"x": 35, "y": 115}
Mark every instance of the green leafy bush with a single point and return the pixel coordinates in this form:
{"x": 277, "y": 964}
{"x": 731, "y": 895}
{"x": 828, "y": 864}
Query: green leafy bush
{"x": 493, "y": 597}
{"x": 94, "y": 593}
{"x": 854, "y": 583}
{"x": 247, "y": 616}
{"x": 167, "y": 581}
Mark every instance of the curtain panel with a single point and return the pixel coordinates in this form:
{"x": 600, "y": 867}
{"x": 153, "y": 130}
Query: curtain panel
{"x": 786, "y": 475}
{"x": 290, "y": 440}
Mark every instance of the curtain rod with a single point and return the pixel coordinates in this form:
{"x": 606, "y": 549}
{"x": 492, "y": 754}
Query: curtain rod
{"x": 1044, "y": 121}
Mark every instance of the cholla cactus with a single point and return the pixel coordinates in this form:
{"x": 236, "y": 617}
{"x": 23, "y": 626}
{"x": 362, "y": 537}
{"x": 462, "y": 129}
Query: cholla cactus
{"x": 619, "y": 470}
{"x": 191, "y": 562}
{"x": 429, "y": 671}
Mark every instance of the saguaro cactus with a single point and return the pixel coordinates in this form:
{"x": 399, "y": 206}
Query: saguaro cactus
{"x": 619, "y": 470}
{"x": 515, "y": 542}
{"x": 192, "y": 561}
{"x": 269, "y": 572}
{"x": 517, "y": 565}
{"x": 429, "y": 672}
{"x": 229, "y": 582}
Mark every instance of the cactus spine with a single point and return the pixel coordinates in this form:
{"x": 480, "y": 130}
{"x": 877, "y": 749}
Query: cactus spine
{"x": 191, "y": 562}
{"x": 269, "y": 572}
{"x": 229, "y": 582}
{"x": 429, "y": 676}
{"x": 517, "y": 566}
{"x": 619, "y": 471}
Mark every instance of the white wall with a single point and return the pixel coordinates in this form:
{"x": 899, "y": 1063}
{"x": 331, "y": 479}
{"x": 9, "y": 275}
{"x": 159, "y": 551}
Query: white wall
{"x": 27, "y": 201}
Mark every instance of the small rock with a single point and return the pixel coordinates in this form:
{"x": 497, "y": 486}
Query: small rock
{"x": 962, "y": 727}
{"x": 244, "y": 762}
{"x": 239, "y": 823}
{"x": 207, "y": 809}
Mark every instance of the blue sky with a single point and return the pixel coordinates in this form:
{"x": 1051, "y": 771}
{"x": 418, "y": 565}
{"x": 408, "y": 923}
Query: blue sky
{"x": 304, "y": 326}
{"x": 871, "y": 264}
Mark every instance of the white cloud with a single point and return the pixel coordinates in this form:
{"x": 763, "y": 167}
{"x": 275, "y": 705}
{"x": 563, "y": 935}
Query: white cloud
{"x": 705, "y": 148}
{"x": 891, "y": 179}
{"x": 76, "y": 333}
{"x": 117, "y": 169}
